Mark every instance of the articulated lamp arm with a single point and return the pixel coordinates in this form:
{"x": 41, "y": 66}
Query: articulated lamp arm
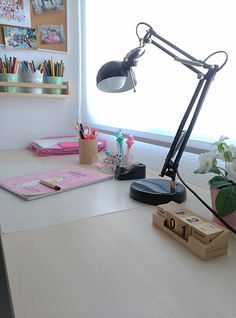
{"x": 116, "y": 77}
{"x": 205, "y": 79}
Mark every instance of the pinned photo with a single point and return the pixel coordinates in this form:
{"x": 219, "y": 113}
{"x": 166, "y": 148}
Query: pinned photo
{"x": 15, "y": 12}
{"x": 51, "y": 33}
{"x": 20, "y": 38}
{"x": 42, "y": 6}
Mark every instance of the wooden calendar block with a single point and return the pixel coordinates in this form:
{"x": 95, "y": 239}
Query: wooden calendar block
{"x": 174, "y": 215}
{"x": 217, "y": 247}
{"x": 160, "y": 222}
{"x": 205, "y": 231}
{"x": 174, "y": 208}
{"x": 186, "y": 230}
{"x": 189, "y": 222}
{"x": 193, "y": 219}
{"x": 176, "y": 224}
{"x": 162, "y": 212}
{"x": 195, "y": 232}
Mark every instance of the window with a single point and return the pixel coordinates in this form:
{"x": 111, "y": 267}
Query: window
{"x": 165, "y": 86}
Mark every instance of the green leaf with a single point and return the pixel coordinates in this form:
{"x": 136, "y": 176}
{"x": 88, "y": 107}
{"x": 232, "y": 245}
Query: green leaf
{"x": 216, "y": 179}
{"x": 214, "y": 169}
{"x": 226, "y": 201}
{"x": 219, "y": 182}
{"x": 228, "y": 156}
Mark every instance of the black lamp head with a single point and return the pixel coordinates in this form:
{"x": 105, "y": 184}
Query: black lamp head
{"x": 116, "y": 77}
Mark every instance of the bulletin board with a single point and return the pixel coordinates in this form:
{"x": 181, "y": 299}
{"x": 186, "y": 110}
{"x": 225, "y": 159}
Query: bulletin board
{"x": 58, "y": 17}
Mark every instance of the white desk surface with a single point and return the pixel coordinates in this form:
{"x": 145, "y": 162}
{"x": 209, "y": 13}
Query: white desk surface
{"x": 113, "y": 265}
{"x": 17, "y": 214}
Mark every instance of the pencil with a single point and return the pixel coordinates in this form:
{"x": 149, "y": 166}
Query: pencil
{"x": 52, "y": 67}
{"x": 50, "y": 185}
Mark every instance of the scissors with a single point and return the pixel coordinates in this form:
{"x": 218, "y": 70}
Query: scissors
{"x": 90, "y": 133}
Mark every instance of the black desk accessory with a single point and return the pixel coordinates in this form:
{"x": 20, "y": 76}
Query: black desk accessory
{"x": 137, "y": 171}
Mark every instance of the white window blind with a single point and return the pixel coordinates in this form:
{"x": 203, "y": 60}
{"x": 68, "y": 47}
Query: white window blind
{"x": 164, "y": 87}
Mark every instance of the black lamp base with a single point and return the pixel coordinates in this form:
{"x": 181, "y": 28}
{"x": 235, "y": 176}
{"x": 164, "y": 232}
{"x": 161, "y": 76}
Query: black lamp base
{"x": 157, "y": 191}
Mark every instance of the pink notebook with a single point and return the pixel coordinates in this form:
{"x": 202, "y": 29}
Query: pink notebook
{"x": 29, "y": 186}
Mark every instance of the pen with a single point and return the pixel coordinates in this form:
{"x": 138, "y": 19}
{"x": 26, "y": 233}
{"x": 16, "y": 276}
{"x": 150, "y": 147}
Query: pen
{"x": 81, "y": 134}
{"x": 81, "y": 126}
{"x": 81, "y": 130}
{"x": 128, "y": 156}
{"x": 119, "y": 141}
{"x": 50, "y": 185}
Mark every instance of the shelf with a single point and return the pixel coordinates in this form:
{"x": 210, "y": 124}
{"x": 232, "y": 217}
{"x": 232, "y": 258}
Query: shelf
{"x": 23, "y": 89}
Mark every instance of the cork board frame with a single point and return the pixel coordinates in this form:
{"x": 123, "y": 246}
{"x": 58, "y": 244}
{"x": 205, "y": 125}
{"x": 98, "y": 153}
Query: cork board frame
{"x": 53, "y": 17}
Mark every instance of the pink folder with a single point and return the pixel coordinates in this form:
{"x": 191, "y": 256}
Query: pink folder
{"x": 60, "y": 145}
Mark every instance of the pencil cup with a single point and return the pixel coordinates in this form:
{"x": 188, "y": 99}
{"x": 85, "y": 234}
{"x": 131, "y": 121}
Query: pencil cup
{"x": 34, "y": 77}
{"x": 58, "y": 80}
{"x": 88, "y": 149}
{"x": 11, "y": 78}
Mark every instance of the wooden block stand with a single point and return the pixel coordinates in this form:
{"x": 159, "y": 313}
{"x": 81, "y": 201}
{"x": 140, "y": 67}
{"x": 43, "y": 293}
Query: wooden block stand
{"x": 204, "y": 238}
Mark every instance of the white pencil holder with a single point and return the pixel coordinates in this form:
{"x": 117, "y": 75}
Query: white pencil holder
{"x": 34, "y": 77}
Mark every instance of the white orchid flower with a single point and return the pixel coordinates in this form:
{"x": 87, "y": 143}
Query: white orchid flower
{"x": 231, "y": 170}
{"x": 205, "y": 161}
{"x": 221, "y": 140}
{"x": 232, "y": 149}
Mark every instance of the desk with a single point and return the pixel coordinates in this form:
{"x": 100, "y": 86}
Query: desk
{"x": 111, "y": 265}
{"x": 16, "y": 214}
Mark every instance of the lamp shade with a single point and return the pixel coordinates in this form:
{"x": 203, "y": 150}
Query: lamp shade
{"x": 116, "y": 77}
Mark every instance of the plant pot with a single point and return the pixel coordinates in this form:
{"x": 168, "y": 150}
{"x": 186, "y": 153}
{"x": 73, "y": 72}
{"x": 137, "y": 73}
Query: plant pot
{"x": 230, "y": 219}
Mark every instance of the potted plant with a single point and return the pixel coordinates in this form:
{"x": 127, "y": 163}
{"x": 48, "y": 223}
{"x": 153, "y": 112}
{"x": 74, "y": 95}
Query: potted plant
{"x": 221, "y": 160}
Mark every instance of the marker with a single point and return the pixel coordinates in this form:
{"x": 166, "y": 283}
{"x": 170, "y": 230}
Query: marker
{"x": 81, "y": 132}
{"x": 119, "y": 141}
{"x": 50, "y": 185}
{"x": 128, "y": 156}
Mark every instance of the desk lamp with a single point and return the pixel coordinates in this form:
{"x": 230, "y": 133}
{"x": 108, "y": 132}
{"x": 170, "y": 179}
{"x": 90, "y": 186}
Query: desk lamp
{"x": 116, "y": 77}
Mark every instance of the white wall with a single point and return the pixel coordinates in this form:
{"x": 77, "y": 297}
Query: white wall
{"x": 23, "y": 119}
